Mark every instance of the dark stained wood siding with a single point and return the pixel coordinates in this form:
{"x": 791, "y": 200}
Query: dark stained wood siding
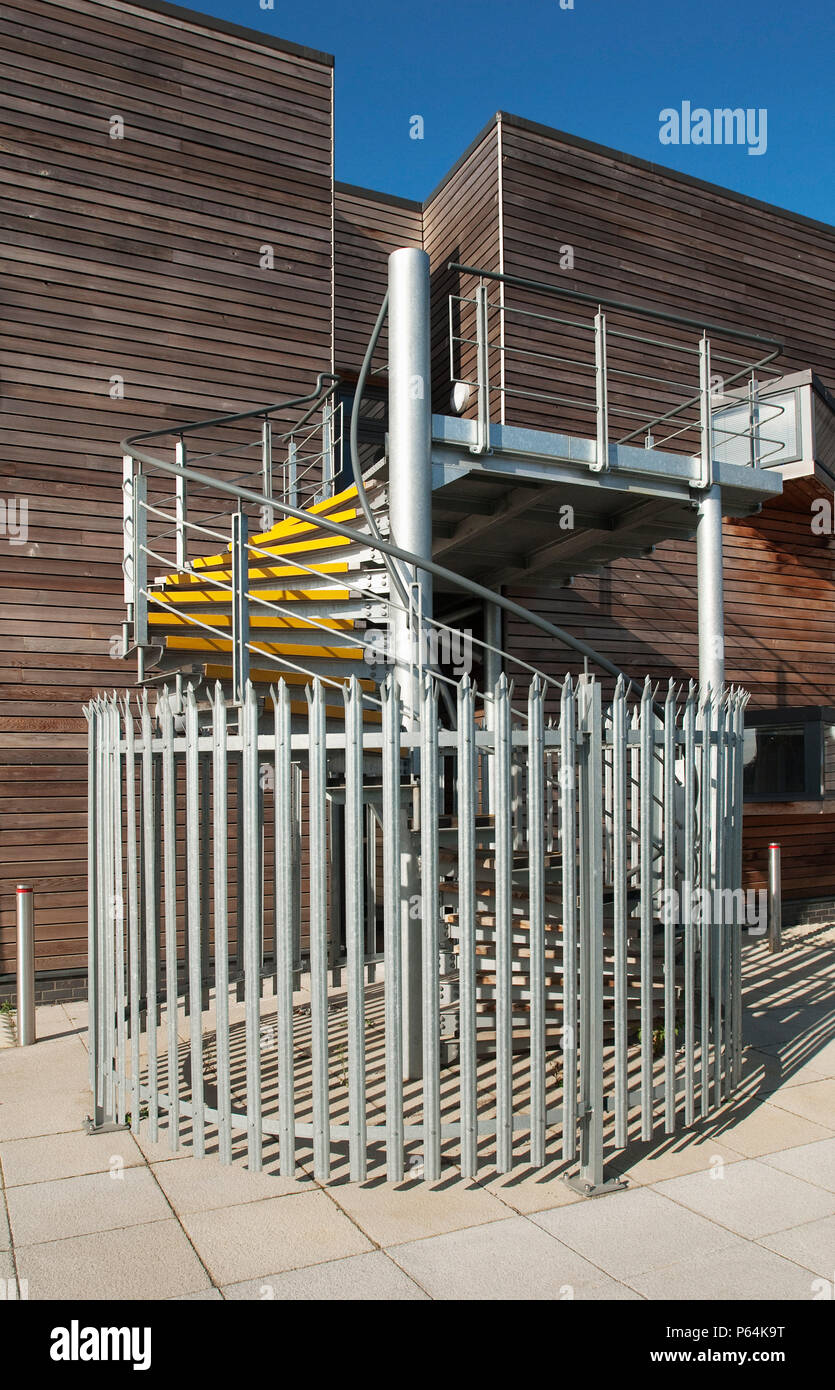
{"x": 136, "y": 258}
{"x": 367, "y": 227}
{"x": 461, "y": 223}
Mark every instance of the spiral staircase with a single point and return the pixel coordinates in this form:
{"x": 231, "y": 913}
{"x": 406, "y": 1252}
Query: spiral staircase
{"x": 547, "y": 936}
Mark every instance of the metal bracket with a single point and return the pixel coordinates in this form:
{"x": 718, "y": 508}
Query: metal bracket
{"x": 590, "y": 1189}
{"x": 106, "y": 1127}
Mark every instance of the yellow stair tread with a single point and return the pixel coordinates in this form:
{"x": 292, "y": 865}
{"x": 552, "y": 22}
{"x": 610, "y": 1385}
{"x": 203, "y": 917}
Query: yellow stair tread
{"x": 278, "y": 620}
{"x": 213, "y": 595}
{"x": 222, "y": 644}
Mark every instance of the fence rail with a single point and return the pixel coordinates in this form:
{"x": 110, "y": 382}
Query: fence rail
{"x": 579, "y": 910}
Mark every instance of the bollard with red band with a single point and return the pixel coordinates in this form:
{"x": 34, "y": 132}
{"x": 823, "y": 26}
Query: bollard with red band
{"x": 775, "y": 900}
{"x": 25, "y": 965}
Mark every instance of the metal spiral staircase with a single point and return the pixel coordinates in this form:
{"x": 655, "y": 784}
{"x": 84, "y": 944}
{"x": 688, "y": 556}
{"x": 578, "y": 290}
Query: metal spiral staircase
{"x": 503, "y": 861}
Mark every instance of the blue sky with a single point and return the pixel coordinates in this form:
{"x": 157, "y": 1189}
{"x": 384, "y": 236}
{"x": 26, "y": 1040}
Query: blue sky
{"x": 603, "y": 69}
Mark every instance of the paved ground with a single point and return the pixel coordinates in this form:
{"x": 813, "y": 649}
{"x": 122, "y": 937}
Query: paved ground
{"x": 741, "y": 1207}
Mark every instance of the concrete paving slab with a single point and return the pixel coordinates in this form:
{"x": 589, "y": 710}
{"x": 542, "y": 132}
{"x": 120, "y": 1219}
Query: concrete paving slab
{"x": 508, "y": 1260}
{"x": 53, "y": 1156}
{"x": 50, "y": 1022}
{"x": 764, "y": 1072}
{"x": 278, "y": 1234}
{"x": 811, "y": 1245}
{"x": 645, "y": 1164}
{"x": 767, "y": 1128}
{"x": 43, "y": 1092}
{"x": 815, "y": 1101}
{"x": 392, "y": 1215}
{"x": 203, "y": 1184}
{"x": 5, "y": 1233}
{"x": 46, "y": 1060}
{"x": 151, "y": 1261}
{"x": 751, "y": 1198}
{"x": 203, "y": 1296}
{"x": 159, "y": 1150}
{"x": 815, "y": 1051}
{"x": 628, "y": 1232}
{"x": 53, "y": 1211}
{"x": 527, "y": 1190}
{"x": 814, "y": 1163}
{"x": 373, "y": 1277}
{"x": 745, "y": 1272}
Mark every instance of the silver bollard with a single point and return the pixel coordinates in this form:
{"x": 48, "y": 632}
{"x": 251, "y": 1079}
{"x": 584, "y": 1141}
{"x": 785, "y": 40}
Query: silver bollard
{"x": 25, "y": 965}
{"x": 775, "y": 900}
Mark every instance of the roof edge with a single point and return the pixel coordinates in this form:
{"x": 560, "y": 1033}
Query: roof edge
{"x": 664, "y": 170}
{"x": 357, "y": 190}
{"x": 237, "y": 31}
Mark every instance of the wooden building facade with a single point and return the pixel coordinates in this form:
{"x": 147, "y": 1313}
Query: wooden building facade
{"x": 174, "y": 245}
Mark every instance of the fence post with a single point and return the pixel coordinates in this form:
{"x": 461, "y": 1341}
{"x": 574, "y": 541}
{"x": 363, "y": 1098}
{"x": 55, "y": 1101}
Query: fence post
{"x": 775, "y": 900}
{"x": 25, "y": 965}
{"x": 590, "y": 1180}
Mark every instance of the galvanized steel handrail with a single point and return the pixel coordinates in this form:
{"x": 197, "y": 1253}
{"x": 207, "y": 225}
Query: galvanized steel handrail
{"x": 598, "y": 402}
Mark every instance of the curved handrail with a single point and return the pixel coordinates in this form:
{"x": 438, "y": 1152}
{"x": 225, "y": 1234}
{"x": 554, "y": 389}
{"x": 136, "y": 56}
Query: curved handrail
{"x": 407, "y": 557}
{"x": 313, "y": 398}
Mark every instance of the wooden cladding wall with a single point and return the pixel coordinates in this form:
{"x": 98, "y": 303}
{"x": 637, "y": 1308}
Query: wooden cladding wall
{"x": 461, "y": 223}
{"x": 367, "y": 227}
{"x": 137, "y": 259}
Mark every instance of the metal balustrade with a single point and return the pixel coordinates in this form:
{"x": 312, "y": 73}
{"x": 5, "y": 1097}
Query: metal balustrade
{"x": 493, "y": 343}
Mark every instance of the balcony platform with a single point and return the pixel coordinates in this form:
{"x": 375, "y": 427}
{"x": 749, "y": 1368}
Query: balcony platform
{"x": 501, "y": 516}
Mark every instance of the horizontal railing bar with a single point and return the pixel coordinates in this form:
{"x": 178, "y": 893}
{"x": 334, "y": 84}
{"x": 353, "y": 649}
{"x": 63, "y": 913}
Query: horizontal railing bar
{"x": 373, "y": 741}
{"x": 342, "y": 1133}
{"x": 663, "y": 315}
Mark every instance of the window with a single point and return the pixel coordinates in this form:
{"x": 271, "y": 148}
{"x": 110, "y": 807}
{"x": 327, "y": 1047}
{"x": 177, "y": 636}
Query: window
{"x": 784, "y": 754}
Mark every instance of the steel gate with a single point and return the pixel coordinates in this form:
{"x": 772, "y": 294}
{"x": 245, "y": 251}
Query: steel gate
{"x": 573, "y": 872}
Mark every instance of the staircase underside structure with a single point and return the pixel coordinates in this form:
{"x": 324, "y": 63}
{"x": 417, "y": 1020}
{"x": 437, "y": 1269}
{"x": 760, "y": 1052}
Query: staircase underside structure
{"x": 316, "y": 800}
{"x": 503, "y": 515}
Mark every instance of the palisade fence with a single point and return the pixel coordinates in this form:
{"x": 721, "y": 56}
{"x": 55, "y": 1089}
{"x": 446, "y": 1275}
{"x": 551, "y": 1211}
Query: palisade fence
{"x": 574, "y": 883}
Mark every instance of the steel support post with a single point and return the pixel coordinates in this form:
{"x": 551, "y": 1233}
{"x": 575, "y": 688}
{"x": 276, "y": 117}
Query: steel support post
{"x": 710, "y": 591}
{"x": 492, "y": 674}
{"x": 410, "y": 509}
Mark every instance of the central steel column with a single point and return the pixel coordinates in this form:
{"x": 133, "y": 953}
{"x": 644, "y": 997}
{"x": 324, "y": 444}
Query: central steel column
{"x": 710, "y": 590}
{"x": 410, "y": 515}
{"x": 492, "y": 675}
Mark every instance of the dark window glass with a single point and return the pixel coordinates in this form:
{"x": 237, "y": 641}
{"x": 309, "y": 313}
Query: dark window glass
{"x": 778, "y": 767}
